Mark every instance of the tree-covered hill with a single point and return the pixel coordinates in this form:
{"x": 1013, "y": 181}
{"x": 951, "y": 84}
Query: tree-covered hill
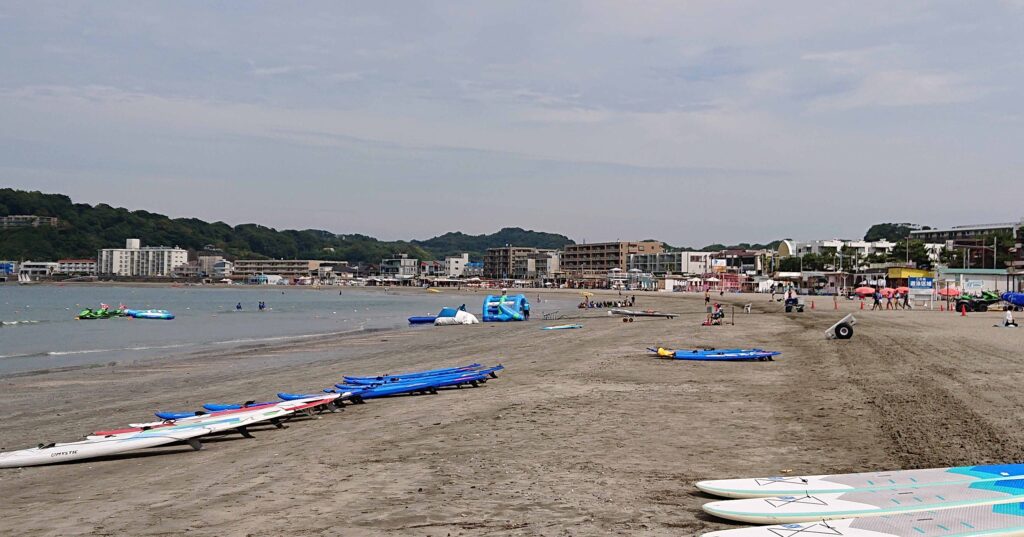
{"x": 85, "y": 229}
{"x": 456, "y": 242}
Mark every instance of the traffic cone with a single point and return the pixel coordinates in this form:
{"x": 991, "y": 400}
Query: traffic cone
{"x": 963, "y": 310}
{"x": 861, "y": 304}
{"x": 812, "y": 304}
{"x": 942, "y": 307}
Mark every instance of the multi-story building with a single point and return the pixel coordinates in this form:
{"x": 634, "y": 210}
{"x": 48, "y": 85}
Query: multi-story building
{"x": 222, "y": 269}
{"x": 400, "y": 267}
{"x": 507, "y": 262}
{"x": 455, "y": 266}
{"x": 788, "y": 247}
{"x": 973, "y": 231}
{"x": 662, "y": 263}
{"x": 474, "y": 269}
{"x": 739, "y": 261}
{"x": 287, "y": 268}
{"x": 77, "y": 267}
{"x": 432, "y": 268}
{"x": 34, "y": 269}
{"x": 599, "y": 258}
{"x": 135, "y": 260}
{"x": 205, "y": 263}
{"x": 27, "y": 220}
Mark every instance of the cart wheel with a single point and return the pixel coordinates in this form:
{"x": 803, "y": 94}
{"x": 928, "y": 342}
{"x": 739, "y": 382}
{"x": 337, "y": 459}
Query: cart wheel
{"x": 844, "y": 331}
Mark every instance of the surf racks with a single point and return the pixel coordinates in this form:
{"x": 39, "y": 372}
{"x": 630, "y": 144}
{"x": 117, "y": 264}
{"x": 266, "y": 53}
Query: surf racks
{"x": 842, "y": 329}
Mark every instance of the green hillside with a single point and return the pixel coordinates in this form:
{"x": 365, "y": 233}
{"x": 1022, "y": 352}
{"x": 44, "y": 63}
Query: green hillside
{"x": 85, "y": 229}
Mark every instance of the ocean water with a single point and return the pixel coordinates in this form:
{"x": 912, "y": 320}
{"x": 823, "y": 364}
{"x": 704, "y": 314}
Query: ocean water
{"x": 38, "y": 329}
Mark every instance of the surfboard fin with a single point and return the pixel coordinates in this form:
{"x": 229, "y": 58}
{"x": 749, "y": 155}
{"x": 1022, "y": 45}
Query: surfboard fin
{"x": 277, "y": 423}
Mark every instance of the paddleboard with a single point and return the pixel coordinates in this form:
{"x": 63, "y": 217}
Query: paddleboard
{"x": 112, "y": 444}
{"x": 725, "y": 355}
{"x": 862, "y": 482}
{"x": 563, "y": 327}
{"x": 644, "y": 313}
{"x": 816, "y": 507}
{"x": 1004, "y": 520}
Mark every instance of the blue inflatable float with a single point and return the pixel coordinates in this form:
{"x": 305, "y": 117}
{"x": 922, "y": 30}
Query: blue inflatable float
{"x": 506, "y": 308}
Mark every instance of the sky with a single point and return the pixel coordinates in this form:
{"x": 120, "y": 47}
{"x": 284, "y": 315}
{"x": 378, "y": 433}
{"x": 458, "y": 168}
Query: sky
{"x": 691, "y": 122}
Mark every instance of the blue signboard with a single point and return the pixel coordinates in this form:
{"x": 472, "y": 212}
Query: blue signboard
{"x": 6, "y": 268}
{"x": 921, "y": 283}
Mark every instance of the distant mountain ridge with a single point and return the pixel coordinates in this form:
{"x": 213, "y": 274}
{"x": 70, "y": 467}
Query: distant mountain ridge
{"x": 84, "y": 229}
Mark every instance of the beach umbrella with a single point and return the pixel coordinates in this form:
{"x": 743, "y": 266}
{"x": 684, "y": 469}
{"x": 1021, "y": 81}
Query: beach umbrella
{"x": 864, "y": 291}
{"x": 888, "y": 292}
{"x": 949, "y": 291}
{"x": 903, "y": 290}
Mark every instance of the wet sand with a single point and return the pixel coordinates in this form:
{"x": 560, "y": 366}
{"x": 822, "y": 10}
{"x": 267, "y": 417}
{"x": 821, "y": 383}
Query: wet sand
{"x": 583, "y": 434}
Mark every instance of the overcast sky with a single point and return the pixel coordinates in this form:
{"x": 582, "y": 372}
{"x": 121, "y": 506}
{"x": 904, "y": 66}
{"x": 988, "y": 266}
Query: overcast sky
{"x": 690, "y": 122}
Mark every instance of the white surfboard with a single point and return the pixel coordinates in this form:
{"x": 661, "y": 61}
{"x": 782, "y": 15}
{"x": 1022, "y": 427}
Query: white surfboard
{"x": 1005, "y": 520}
{"x": 867, "y": 481}
{"x": 99, "y": 446}
{"x": 817, "y": 507}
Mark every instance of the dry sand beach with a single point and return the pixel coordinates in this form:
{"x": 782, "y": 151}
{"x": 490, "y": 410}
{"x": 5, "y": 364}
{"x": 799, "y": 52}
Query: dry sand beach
{"x": 583, "y": 434}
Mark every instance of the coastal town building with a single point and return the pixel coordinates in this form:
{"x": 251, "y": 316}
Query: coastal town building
{"x": 455, "y": 266}
{"x": 27, "y": 220}
{"x": 205, "y": 263}
{"x": 474, "y": 269}
{"x": 693, "y": 263}
{"x": 432, "y": 268}
{"x": 739, "y": 261}
{"x": 972, "y": 231}
{"x": 76, "y": 267}
{"x": 789, "y": 247}
{"x": 34, "y": 269}
{"x": 222, "y": 269}
{"x": 135, "y": 260}
{"x": 599, "y": 258}
{"x": 400, "y": 267}
{"x": 286, "y": 268}
{"x": 507, "y": 262}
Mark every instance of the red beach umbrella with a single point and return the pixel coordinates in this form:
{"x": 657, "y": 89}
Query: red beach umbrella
{"x": 903, "y": 290}
{"x": 888, "y": 291}
{"x": 864, "y": 291}
{"x": 949, "y": 291}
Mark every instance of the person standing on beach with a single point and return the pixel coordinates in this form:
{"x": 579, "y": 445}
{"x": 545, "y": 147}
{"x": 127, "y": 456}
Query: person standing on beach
{"x": 906, "y": 301}
{"x": 707, "y": 296}
{"x": 897, "y": 303}
{"x": 888, "y": 301}
{"x": 877, "y": 296}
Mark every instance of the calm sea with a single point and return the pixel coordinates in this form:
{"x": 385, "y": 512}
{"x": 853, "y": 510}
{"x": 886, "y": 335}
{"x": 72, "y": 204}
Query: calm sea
{"x": 38, "y": 329}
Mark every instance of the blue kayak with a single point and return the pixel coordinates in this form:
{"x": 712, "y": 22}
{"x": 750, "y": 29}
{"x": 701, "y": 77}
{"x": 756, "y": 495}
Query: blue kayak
{"x": 411, "y": 375}
{"x": 725, "y": 355}
{"x": 177, "y": 415}
{"x": 1017, "y": 299}
{"x": 425, "y": 319}
{"x": 491, "y": 371}
{"x": 214, "y": 407}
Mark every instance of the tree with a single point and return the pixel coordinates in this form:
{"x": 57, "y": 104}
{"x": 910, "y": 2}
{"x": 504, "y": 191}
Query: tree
{"x": 891, "y": 232}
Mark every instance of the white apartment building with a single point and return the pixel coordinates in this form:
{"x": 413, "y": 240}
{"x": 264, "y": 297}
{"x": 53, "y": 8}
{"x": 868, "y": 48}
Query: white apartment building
{"x": 454, "y": 266}
{"x": 82, "y": 267}
{"x": 789, "y": 247}
{"x": 135, "y": 260}
{"x": 672, "y": 262}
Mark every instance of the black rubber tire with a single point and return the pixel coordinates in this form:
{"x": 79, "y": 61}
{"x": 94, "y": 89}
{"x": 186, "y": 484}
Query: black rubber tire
{"x": 844, "y": 331}
{"x": 981, "y": 307}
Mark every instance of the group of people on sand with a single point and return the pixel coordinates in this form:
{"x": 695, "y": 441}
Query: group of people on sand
{"x": 590, "y": 304}
{"x": 894, "y": 301}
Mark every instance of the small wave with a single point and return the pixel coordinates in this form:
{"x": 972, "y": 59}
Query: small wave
{"x": 16, "y": 323}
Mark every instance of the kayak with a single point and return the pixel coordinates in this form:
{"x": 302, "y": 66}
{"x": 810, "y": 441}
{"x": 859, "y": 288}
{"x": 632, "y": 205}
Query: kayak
{"x": 350, "y": 383}
{"x": 563, "y": 327}
{"x": 425, "y": 319}
{"x": 641, "y": 313}
{"x": 412, "y": 375}
{"x": 716, "y": 354}
{"x": 150, "y": 314}
{"x": 214, "y": 407}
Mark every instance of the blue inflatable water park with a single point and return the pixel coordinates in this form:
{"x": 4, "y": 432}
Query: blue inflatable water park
{"x": 500, "y": 308}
